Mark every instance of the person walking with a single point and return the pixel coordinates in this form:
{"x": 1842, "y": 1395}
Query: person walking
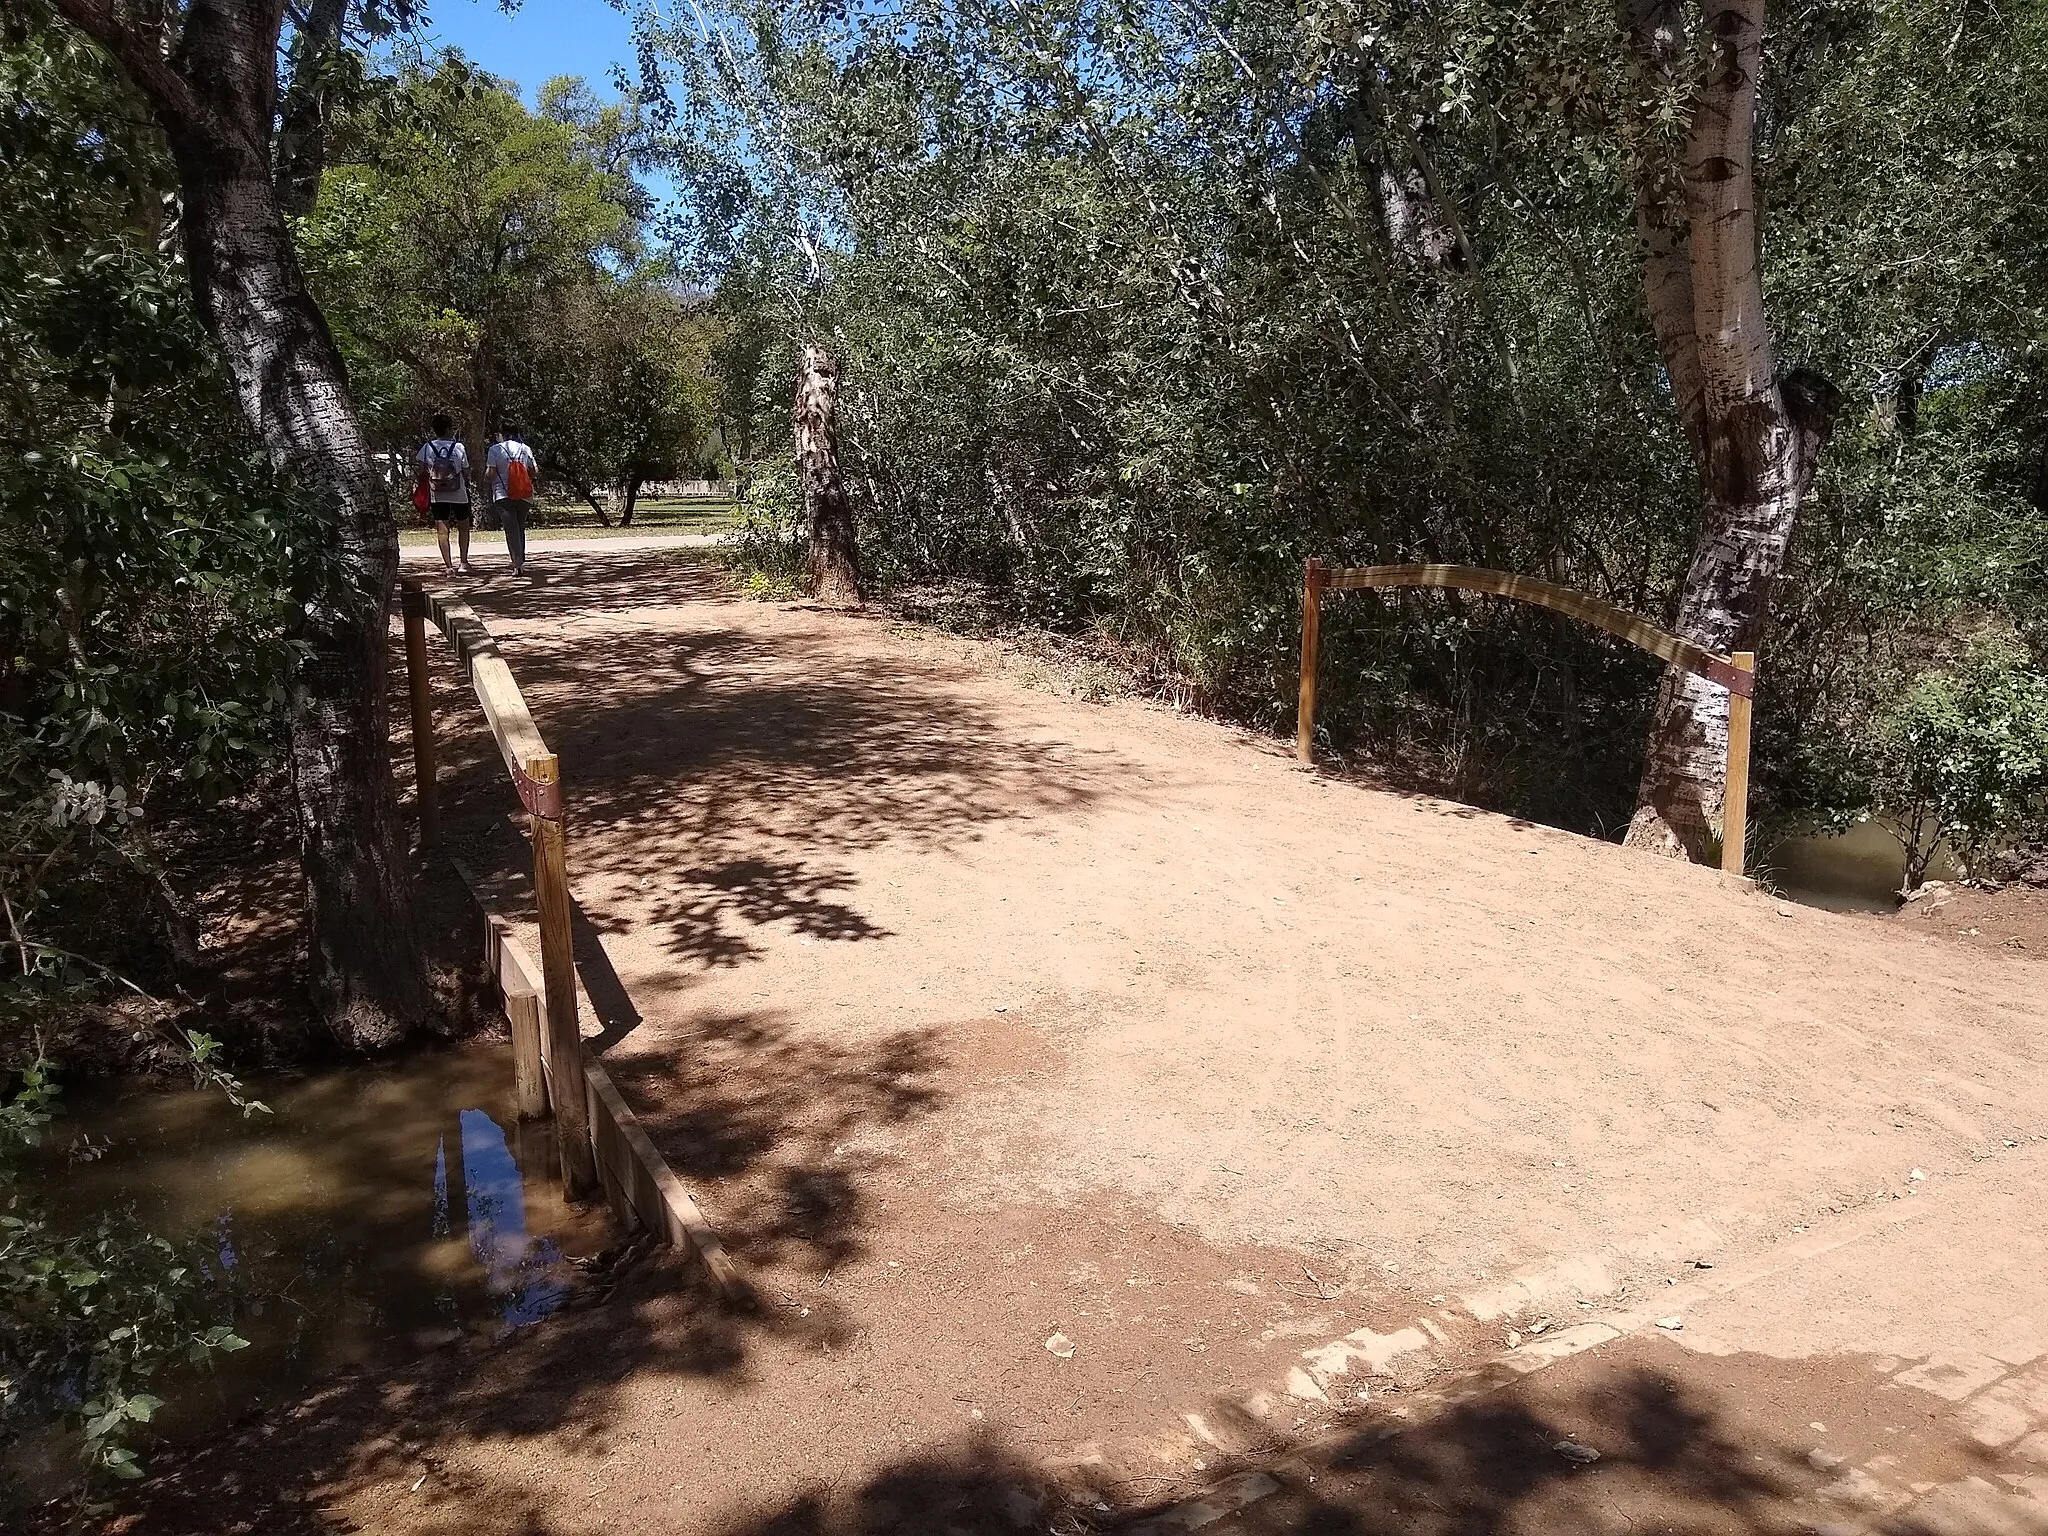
{"x": 444, "y": 466}
{"x": 512, "y": 472}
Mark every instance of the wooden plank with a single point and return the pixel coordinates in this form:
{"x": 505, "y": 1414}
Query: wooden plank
{"x": 599, "y": 1133}
{"x": 614, "y": 1161}
{"x": 513, "y": 971}
{"x": 1311, "y": 625}
{"x": 1527, "y": 589}
{"x": 505, "y": 711}
{"x": 1735, "y": 791}
{"x": 558, "y": 986}
{"x": 420, "y": 683}
{"x": 524, "y": 1010}
{"x": 640, "y": 1176}
{"x": 529, "y": 1075}
{"x": 660, "y": 1200}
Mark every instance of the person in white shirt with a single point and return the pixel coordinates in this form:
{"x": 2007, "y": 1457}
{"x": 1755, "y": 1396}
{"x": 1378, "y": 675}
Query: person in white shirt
{"x": 444, "y": 466}
{"x": 513, "y": 473}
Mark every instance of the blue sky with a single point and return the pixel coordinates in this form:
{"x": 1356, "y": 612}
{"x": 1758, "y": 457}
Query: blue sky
{"x": 541, "y": 39}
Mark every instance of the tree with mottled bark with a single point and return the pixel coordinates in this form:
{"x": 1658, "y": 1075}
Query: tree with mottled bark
{"x": 208, "y": 71}
{"x": 834, "y": 570}
{"x": 1756, "y": 437}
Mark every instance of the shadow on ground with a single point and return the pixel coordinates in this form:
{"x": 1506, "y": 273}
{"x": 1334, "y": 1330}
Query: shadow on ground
{"x": 1679, "y": 1454}
{"x": 720, "y": 780}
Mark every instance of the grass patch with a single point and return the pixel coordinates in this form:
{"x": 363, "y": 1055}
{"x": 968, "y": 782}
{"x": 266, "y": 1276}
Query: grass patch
{"x": 560, "y": 519}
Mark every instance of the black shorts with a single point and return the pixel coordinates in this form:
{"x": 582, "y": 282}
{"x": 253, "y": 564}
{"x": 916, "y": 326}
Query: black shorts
{"x": 451, "y": 512}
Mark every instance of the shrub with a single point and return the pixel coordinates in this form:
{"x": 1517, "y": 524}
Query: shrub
{"x": 1963, "y": 757}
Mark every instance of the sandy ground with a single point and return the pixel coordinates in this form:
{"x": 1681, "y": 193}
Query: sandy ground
{"x": 1264, "y": 1005}
{"x": 975, "y": 1016}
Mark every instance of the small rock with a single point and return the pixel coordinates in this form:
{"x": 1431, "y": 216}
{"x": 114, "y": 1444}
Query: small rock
{"x": 1572, "y": 1451}
{"x": 1857, "y": 1487}
{"x": 1917, "y": 1175}
{"x": 1825, "y": 1460}
{"x": 1702, "y": 1263}
{"x": 1514, "y": 1339}
{"x": 1059, "y": 1344}
{"x": 1671, "y": 1324}
{"x": 1540, "y": 1324}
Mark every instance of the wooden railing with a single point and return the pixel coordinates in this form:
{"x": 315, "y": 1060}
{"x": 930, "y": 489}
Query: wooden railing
{"x": 603, "y": 1147}
{"x": 1736, "y": 673}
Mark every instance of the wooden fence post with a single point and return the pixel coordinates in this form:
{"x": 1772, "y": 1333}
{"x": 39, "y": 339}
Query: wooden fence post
{"x": 1735, "y": 797}
{"x": 529, "y": 1080}
{"x": 558, "y": 976}
{"x": 1311, "y": 623}
{"x": 413, "y": 604}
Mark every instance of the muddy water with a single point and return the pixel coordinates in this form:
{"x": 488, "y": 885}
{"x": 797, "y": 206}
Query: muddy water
{"x": 374, "y": 1214}
{"x": 1859, "y": 870}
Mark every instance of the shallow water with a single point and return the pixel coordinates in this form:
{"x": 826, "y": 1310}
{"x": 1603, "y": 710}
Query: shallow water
{"x": 1859, "y": 870}
{"x": 374, "y": 1214}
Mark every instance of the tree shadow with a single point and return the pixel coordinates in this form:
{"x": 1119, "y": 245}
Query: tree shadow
{"x": 1677, "y": 1455}
{"x": 709, "y": 913}
{"x": 777, "y": 1119}
{"x": 720, "y": 773}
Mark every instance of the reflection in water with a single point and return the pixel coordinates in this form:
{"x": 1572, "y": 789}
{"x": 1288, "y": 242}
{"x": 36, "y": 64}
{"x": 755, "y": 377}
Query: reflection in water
{"x": 375, "y": 1213}
{"x": 441, "y": 1187}
{"x": 527, "y": 1274}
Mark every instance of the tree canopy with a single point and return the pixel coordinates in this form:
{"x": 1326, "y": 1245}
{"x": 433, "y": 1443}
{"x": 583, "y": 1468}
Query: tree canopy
{"x": 1140, "y": 307}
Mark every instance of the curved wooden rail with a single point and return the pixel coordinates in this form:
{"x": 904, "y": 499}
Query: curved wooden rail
{"x": 1527, "y": 589}
{"x": 1736, "y": 673}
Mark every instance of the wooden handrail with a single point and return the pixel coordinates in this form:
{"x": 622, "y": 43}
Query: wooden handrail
{"x": 1736, "y": 673}
{"x": 1683, "y": 654}
{"x": 519, "y": 740}
{"x": 602, "y": 1144}
{"x": 537, "y": 776}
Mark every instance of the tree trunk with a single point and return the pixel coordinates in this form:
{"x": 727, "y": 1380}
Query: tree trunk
{"x": 213, "y": 99}
{"x": 368, "y": 974}
{"x": 633, "y": 484}
{"x": 300, "y": 156}
{"x": 588, "y": 492}
{"x": 835, "y": 557}
{"x": 1756, "y": 439}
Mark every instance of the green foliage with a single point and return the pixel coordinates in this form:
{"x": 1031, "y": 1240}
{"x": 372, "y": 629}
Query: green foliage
{"x": 93, "y": 1312}
{"x": 1131, "y": 322}
{"x": 149, "y": 564}
{"x": 479, "y": 258}
{"x": 612, "y": 384}
{"x": 1962, "y": 756}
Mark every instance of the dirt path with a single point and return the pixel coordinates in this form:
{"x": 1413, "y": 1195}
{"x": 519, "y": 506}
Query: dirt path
{"x": 975, "y": 1016}
{"x": 1265, "y": 1005}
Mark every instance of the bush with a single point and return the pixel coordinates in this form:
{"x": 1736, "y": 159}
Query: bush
{"x": 92, "y": 1311}
{"x": 1963, "y": 757}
